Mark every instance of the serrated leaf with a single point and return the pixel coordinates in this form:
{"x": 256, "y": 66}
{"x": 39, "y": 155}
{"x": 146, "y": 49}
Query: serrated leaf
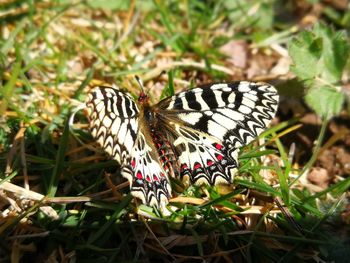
{"x": 320, "y": 53}
{"x": 305, "y": 52}
{"x": 335, "y": 53}
{"x": 325, "y": 101}
{"x": 320, "y": 56}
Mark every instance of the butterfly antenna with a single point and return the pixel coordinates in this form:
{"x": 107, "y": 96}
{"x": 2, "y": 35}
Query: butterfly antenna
{"x": 143, "y": 98}
{"x": 139, "y": 81}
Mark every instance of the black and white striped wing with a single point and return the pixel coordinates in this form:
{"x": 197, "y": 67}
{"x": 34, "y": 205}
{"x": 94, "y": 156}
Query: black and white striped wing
{"x": 115, "y": 124}
{"x": 203, "y": 158}
{"x": 212, "y": 122}
{"x": 114, "y": 121}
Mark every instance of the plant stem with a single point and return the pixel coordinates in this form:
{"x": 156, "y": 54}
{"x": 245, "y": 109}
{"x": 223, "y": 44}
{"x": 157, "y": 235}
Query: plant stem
{"x": 315, "y": 152}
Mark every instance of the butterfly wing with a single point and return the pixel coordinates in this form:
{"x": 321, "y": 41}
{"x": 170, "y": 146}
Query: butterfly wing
{"x": 203, "y": 158}
{"x": 115, "y": 123}
{"x": 212, "y": 122}
{"x": 148, "y": 180}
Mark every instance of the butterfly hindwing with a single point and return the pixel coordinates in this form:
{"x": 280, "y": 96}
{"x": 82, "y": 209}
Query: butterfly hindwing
{"x": 148, "y": 180}
{"x": 202, "y": 158}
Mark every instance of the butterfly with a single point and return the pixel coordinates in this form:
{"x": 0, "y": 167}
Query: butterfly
{"x": 194, "y": 135}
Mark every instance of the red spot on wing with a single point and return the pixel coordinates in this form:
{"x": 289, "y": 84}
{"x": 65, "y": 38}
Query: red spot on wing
{"x": 184, "y": 166}
{"x": 210, "y": 162}
{"x": 148, "y": 178}
{"x": 162, "y": 175}
{"x": 139, "y": 175}
{"x": 219, "y": 157}
{"x": 133, "y": 163}
{"x": 197, "y": 166}
{"x": 155, "y": 178}
{"x": 218, "y": 146}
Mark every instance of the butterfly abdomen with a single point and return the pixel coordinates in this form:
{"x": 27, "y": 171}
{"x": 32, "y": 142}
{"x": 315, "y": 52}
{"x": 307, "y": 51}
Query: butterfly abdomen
{"x": 166, "y": 153}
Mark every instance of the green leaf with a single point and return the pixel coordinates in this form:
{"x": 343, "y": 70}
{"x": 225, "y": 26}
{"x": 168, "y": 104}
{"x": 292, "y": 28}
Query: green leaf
{"x": 305, "y": 53}
{"x": 347, "y": 98}
{"x": 321, "y": 53}
{"x": 7, "y": 178}
{"x": 325, "y": 101}
{"x": 319, "y": 58}
{"x": 283, "y": 179}
{"x": 111, "y": 5}
{"x": 59, "y": 165}
{"x": 105, "y": 229}
{"x": 335, "y": 53}
{"x": 169, "y": 90}
{"x": 258, "y": 14}
{"x": 336, "y": 190}
{"x": 266, "y": 15}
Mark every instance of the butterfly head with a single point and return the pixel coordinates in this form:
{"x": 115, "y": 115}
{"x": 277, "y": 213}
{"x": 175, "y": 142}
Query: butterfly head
{"x": 143, "y": 98}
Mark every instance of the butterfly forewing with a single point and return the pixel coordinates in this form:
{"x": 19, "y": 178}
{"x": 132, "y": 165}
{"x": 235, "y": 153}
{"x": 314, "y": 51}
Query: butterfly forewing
{"x": 113, "y": 122}
{"x": 243, "y": 109}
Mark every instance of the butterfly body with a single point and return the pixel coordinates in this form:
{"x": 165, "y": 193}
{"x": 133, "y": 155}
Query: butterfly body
{"x": 194, "y": 135}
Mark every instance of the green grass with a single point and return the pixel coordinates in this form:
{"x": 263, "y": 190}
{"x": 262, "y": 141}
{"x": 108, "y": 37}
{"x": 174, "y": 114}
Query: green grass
{"x": 51, "y": 53}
